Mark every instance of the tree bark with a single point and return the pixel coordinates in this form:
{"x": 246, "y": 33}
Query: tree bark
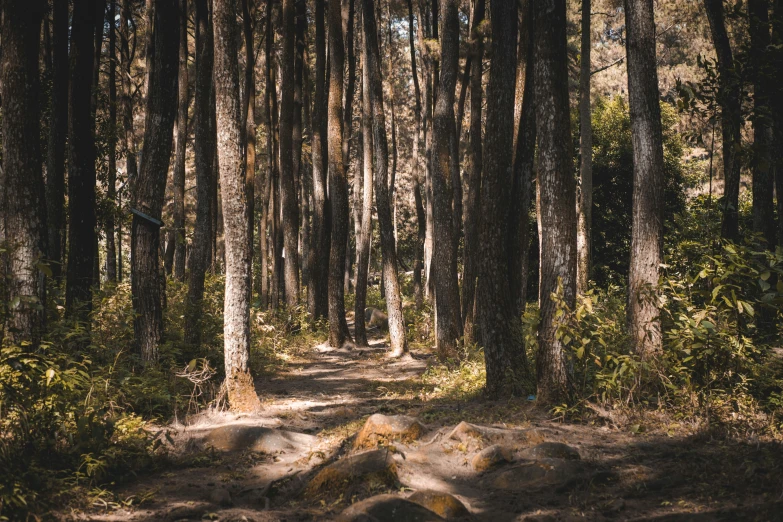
{"x": 236, "y": 308}
{"x": 317, "y": 297}
{"x": 111, "y": 181}
{"x": 249, "y": 110}
{"x": 24, "y": 211}
{"x": 731, "y": 118}
{"x": 397, "y": 336}
{"x": 363, "y": 238}
{"x": 648, "y": 187}
{"x": 178, "y": 230}
{"x": 763, "y": 180}
{"x": 150, "y": 187}
{"x": 297, "y": 133}
{"x": 126, "y": 107}
{"x": 81, "y": 164}
{"x": 58, "y": 129}
{"x": 338, "y": 327}
{"x": 499, "y": 326}
{"x": 421, "y": 218}
{"x": 471, "y": 215}
{"x": 558, "y": 194}
{"x": 584, "y": 186}
{"x": 447, "y": 302}
{"x": 204, "y": 149}
{"x": 287, "y": 185}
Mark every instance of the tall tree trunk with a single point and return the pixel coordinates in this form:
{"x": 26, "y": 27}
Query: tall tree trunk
{"x": 397, "y": 336}
{"x": 236, "y": 308}
{"x": 249, "y": 110}
{"x": 58, "y": 128}
{"x": 363, "y": 238}
{"x": 338, "y": 327}
{"x": 111, "y": 178}
{"x": 348, "y": 94}
{"x": 648, "y": 185}
{"x": 473, "y": 181}
{"x": 558, "y": 193}
{"x": 777, "y": 108}
{"x": 317, "y": 299}
{"x": 524, "y": 157}
{"x": 24, "y": 211}
{"x": 150, "y": 188}
{"x": 204, "y": 150}
{"x": 178, "y": 231}
{"x": 81, "y": 164}
{"x": 297, "y": 133}
{"x": 287, "y": 185}
{"x": 126, "y": 103}
{"x": 393, "y": 125}
{"x": 584, "y": 187}
{"x": 731, "y": 118}
{"x": 421, "y": 217}
{"x": 447, "y": 303}
{"x": 504, "y": 353}
{"x": 763, "y": 181}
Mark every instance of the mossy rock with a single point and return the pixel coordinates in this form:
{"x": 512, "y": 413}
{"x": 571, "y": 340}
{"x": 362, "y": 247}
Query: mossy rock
{"x": 552, "y": 450}
{"x": 465, "y": 432}
{"x": 360, "y": 474}
{"x": 380, "y": 429}
{"x": 258, "y": 438}
{"x": 388, "y": 508}
{"x": 443, "y": 504}
{"x": 491, "y": 457}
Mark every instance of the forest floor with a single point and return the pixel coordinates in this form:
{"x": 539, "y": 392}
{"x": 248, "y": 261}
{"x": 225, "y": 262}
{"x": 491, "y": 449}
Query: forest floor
{"x": 300, "y": 458}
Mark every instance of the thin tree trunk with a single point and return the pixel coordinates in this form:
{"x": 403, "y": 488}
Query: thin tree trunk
{"x": 421, "y": 218}
{"x": 287, "y": 184}
{"x": 427, "y": 120}
{"x": 58, "y": 128}
{"x": 236, "y": 309}
{"x": 317, "y": 298}
{"x": 250, "y": 121}
{"x": 584, "y": 187}
{"x": 397, "y": 336}
{"x": 204, "y": 150}
{"x": 81, "y": 164}
{"x": 129, "y": 137}
{"x": 363, "y": 238}
{"x": 111, "y": 178}
{"x": 150, "y": 187}
{"x": 24, "y": 211}
{"x": 393, "y": 124}
{"x": 731, "y": 118}
{"x": 181, "y": 148}
{"x": 447, "y": 302}
{"x": 558, "y": 194}
{"x": 763, "y": 178}
{"x": 473, "y": 181}
{"x": 348, "y": 94}
{"x": 299, "y": 170}
{"x": 648, "y": 187}
{"x": 338, "y": 327}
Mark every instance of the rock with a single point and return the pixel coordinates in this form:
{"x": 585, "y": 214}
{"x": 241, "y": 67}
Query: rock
{"x": 221, "y": 497}
{"x": 551, "y": 450}
{"x": 443, "y": 504}
{"x": 367, "y": 471}
{"x": 374, "y": 317}
{"x": 491, "y": 457}
{"x": 387, "y": 508}
{"x": 186, "y": 513}
{"x": 514, "y": 439}
{"x": 258, "y": 438}
{"x": 543, "y": 472}
{"x": 383, "y": 428}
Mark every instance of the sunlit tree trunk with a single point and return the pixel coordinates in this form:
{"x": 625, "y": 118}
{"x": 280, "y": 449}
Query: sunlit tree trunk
{"x": 584, "y": 187}
{"x": 648, "y": 186}
{"x": 126, "y": 107}
{"x": 150, "y": 187}
{"x": 178, "y": 184}
{"x": 23, "y": 208}
{"x": 111, "y": 178}
{"x": 236, "y": 308}
{"x": 381, "y": 160}
{"x": 249, "y": 110}
{"x": 558, "y": 194}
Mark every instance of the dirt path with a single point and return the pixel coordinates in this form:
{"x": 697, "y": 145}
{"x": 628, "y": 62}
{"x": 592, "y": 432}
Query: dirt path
{"x": 289, "y": 462}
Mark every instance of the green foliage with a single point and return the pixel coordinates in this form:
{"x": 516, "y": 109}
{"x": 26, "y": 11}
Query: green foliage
{"x": 613, "y": 184}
